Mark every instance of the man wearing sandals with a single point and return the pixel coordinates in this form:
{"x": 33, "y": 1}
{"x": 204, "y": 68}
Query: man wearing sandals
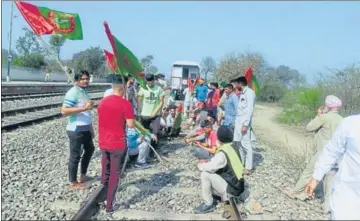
{"x": 77, "y": 105}
{"x": 324, "y": 125}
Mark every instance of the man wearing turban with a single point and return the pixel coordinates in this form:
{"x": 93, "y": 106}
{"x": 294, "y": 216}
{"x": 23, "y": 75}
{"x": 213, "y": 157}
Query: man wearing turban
{"x": 323, "y": 125}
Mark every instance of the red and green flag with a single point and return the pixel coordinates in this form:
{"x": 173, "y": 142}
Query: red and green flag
{"x": 141, "y": 129}
{"x": 125, "y": 58}
{"x": 45, "y": 21}
{"x": 252, "y": 82}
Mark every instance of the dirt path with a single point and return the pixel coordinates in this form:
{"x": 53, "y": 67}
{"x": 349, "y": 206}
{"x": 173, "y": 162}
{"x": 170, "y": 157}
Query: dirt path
{"x": 269, "y": 130}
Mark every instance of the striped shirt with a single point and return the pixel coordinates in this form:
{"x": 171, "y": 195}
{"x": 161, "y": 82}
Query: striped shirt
{"x": 77, "y": 97}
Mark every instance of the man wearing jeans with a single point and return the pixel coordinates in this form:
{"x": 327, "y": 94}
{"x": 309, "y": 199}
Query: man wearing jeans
{"x": 243, "y": 129}
{"x": 114, "y": 113}
{"x": 77, "y": 105}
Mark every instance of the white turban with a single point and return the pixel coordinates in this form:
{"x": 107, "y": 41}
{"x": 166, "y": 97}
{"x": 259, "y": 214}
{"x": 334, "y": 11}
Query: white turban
{"x": 333, "y": 102}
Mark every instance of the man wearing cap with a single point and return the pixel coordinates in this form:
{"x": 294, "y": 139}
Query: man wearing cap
{"x": 150, "y": 102}
{"x": 324, "y": 125}
{"x": 222, "y": 175}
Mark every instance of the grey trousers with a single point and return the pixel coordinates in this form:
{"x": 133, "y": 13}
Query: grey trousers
{"x": 142, "y": 151}
{"x": 245, "y": 146}
{"x": 305, "y": 178}
{"x": 212, "y": 183}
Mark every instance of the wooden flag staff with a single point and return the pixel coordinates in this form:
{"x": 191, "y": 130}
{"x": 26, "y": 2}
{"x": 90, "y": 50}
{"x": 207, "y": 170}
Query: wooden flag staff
{"x": 48, "y": 48}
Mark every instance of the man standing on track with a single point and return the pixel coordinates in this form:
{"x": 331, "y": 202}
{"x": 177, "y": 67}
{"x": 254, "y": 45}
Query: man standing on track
{"x": 77, "y": 105}
{"x": 150, "y": 102}
{"x": 243, "y": 130}
{"x": 114, "y": 113}
{"x": 201, "y": 91}
{"x": 324, "y": 125}
{"x": 343, "y": 148}
{"x": 230, "y": 106}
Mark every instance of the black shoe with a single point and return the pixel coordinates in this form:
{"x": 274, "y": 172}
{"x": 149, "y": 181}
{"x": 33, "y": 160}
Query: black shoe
{"x": 217, "y": 198}
{"x": 203, "y": 208}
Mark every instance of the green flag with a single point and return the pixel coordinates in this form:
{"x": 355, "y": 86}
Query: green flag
{"x": 125, "y": 58}
{"x": 45, "y": 21}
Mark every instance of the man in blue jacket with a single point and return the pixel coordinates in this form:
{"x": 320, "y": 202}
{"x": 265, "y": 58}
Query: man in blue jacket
{"x": 201, "y": 91}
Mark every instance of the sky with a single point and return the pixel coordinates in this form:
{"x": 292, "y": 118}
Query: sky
{"x": 307, "y": 36}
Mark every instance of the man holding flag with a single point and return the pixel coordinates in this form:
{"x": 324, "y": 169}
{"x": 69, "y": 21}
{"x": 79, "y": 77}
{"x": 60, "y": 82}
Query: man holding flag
{"x": 114, "y": 113}
{"x": 150, "y": 102}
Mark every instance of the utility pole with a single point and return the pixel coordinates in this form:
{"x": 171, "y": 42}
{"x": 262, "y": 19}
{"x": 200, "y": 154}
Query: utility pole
{"x": 10, "y": 35}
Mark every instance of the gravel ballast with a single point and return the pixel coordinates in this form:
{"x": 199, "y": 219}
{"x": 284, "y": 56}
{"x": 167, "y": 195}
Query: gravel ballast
{"x": 35, "y": 179}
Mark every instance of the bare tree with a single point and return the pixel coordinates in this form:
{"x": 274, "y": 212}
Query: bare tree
{"x": 147, "y": 64}
{"x": 208, "y": 65}
{"x": 234, "y": 65}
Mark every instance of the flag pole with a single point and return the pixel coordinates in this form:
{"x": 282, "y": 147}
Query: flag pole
{"x": 47, "y": 47}
{"x": 10, "y": 35}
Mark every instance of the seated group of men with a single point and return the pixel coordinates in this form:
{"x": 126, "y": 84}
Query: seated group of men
{"x": 220, "y": 163}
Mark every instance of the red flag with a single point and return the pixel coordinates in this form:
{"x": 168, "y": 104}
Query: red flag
{"x": 252, "y": 82}
{"x": 179, "y": 109}
{"x": 45, "y": 21}
{"x": 39, "y": 24}
{"x": 110, "y": 60}
{"x": 248, "y": 74}
{"x": 190, "y": 84}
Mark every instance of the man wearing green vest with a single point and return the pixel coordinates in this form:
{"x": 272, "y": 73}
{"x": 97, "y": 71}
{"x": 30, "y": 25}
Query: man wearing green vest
{"x": 222, "y": 175}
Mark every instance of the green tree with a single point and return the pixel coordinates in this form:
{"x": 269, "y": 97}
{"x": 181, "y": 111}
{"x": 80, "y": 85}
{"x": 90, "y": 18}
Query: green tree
{"x": 92, "y": 59}
{"x": 286, "y": 76}
{"x": 56, "y": 42}
{"x": 28, "y": 44}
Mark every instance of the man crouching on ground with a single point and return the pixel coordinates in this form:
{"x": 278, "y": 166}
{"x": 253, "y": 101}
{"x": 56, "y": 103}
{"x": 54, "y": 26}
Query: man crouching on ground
{"x": 223, "y": 174}
{"x": 114, "y": 114}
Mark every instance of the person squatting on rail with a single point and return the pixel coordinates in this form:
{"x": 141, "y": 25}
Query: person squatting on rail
{"x": 77, "y": 105}
{"x": 222, "y": 175}
{"x": 114, "y": 114}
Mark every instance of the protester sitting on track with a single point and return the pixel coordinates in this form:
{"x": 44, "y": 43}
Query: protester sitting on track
{"x": 196, "y": 134}
{"x": 201, "y": 113}
{"x": 77, "y": 105}
{"x": 138, "y": 146}
{"x": 114, "y": 113}
{"x": 190, "y": 122}
{"x": 222, "y": 175}
{"x": 205, "y": 150}
{"x": 170, "y": 120}
{"x": 150, "y": 102}
{"x": 210, "y": 117}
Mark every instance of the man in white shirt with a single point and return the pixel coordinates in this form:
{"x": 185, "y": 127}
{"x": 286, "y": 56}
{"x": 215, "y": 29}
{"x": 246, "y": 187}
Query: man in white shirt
{"x": 344, "y": 149}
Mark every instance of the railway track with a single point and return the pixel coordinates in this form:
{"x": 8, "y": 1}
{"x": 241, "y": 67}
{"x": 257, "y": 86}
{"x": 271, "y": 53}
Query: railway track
{"x": 12, "y": 97}
{"x": 135, "y": 194}
{"x": 15, "y": 117}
